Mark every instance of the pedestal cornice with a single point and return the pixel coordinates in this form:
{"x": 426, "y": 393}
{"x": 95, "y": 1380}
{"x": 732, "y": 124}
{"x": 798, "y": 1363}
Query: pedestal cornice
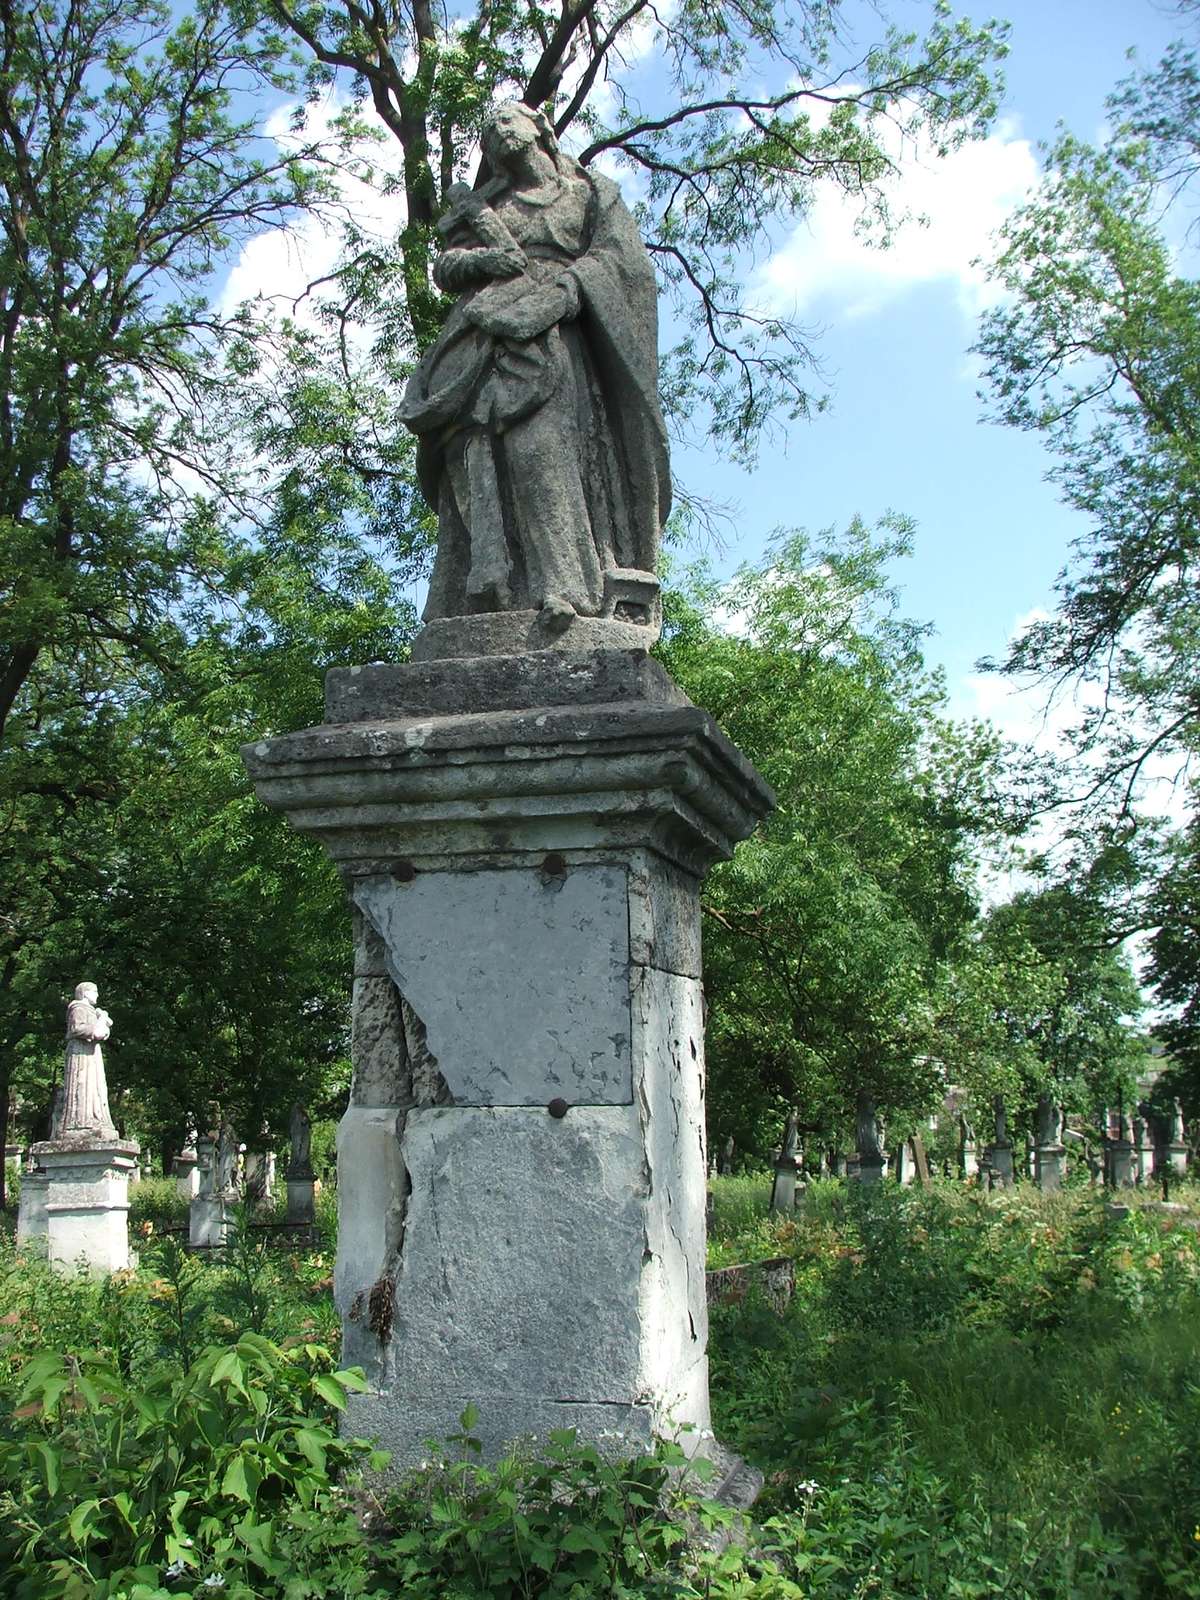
{"x": 514, "y": 770}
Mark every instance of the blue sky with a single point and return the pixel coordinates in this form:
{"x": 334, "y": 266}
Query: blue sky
{"x": 905, "y": 432}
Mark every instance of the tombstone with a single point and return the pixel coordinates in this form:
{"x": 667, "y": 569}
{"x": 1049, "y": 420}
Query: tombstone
{"x": 783, "y": 1189}
{"x": 209, "y": 1216}
{"x": 87, "y": 1164}
{"x": 32, "y": 1221}
{"x": 1050, "y": 1153}
{"x": 258, "y": 1179}
{"x": 968, "y": 1159}
{"x": 838, "y": 1165}
{"x": 523, "y": 815}
{"x": 872, "y": 1158}
{"x": 727, "y": 1158}
{"x": 904, "y": 1163}
{"x": 185, "y": 1170}
{"x": 301, "y": 1208}
{"x": 1143, "y": 1146}
{"x": 1120, "y": 1155}
{"x": 1177, "y": 1150}
{"x": 998, "y": 1155}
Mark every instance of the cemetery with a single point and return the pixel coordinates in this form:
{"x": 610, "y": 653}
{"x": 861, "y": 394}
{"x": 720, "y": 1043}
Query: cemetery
{"x": 533, "y": 1064}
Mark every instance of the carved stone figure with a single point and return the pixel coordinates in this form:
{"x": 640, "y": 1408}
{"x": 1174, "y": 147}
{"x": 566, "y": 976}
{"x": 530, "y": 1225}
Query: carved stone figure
{"x": 300, "y": 1134}
{"x": 85, "y": 1112}
{"x": 1177, "y": 1131}
{"x": 869, "y": 1130}
{"x": 541, "y": 442}
{"x": 225, "y": 1162}
{"x": 966, "y": 1133}
{"x": 1048, "y": 1120}
{"x": 1001, "y": 1116}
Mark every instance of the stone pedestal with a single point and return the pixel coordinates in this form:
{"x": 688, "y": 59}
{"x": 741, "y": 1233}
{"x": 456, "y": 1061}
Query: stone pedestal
{"x": 1120, "y": 1164}
{"x": 1177, "y": 1159}
{"x": 301, "y": 1201}
{"x": 187, "y": 1175}
{"x": 522, "y": 1166}
{"x": 968, "y": 1160}
{"x": 208, "y": 1214}
{"x": 31, "y": 1211}
{"x": 1050, "y": 1166}
{"x": 871, "y": 1171}
{"x": 999, "y": 1159}
{"x": 87, "y": 1202}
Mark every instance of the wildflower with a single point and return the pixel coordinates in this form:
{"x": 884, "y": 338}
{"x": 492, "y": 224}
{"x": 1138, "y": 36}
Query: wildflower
{"x": 175, "y": 1570}
{"x": 809, "y": 1486}
{"x": 213, "y": 1581}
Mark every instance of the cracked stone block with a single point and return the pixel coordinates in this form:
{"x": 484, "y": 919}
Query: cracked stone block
{"x": 492, "y": 962}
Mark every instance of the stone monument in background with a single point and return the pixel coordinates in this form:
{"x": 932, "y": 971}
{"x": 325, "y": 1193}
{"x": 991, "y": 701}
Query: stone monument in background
{"x": 301, "y": 1179}
{"x": 869, "y": 1136}
{"x": 1050, "y": 1153}
{"x": 86, "y": 1162}
{"x": 523, "y": 816}
{"x": 998, "y": 1156}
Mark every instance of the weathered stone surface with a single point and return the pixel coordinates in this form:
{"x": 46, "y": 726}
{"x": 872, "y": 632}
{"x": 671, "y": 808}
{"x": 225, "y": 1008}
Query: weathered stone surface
{"x": 626, "y": 775}
{"x": 462, "y": 947}
{"x": 541, "y": 1296}
{"x": 774, "y": 1279}
{"x": 507, "y": 633}
{"x": 664, "y": 915}
{"x": 372, "y": 1205}
{"x": 87, "y": 1202}
{"x": 1050, "y": 1166}
{"x": 541, "y": 445}
{"x": 382, "y": 692}
{"x": 377, "y": 1043}
{"x": 31, "y": 1211}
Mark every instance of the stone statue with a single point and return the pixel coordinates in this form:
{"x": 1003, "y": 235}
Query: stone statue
{"x": 225, "y": 1161}
{"x": 1001, "y": 1116}
{"x": 791, "y": 1142}
{"x": 300, "y": 1135}
{"x": 1048, "y": 1120}
{"x": 1177, "y": 1133}
{"x": 541, "y": 444}
{"x": 966, "y": 1133}
{"x": 85, "y": 1112}
{"x": 869, "y": 1130}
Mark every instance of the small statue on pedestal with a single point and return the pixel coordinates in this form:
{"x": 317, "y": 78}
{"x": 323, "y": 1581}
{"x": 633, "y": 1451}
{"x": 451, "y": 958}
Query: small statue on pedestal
{"x": 85, "y": 1112}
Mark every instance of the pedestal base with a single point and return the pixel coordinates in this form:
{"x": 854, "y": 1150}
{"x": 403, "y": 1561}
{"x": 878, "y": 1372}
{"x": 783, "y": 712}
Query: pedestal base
{"x": 1050, "y": 1165}
{"x": 522, "y": 1165}
{"x": 87, "y": 1203}
{"x": 208, "y": 1222}
{"x": 1120, "y": 1165}
{"x": 968, "y": 1161}
{"x": 301, "y": 1202}
{"x": 1177, "y": 1159}
{"x": 999, "y": 1159}
{"x": 871, "y": 1171}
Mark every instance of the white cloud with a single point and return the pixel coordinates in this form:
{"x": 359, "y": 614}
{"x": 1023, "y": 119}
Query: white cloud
{"x": 280, "y": 263}
{"x": 964, "y": 198}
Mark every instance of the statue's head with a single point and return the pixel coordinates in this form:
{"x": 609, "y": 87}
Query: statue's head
{"x": 512, "y": 127}
{"x": 88, "y": 992}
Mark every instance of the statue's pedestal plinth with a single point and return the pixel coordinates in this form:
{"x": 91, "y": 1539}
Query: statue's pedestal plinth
{"x": 187, "y": 1175}
{"x": 1177, "y": 1159}
{"x": 1050, "y": 1166}
{"x": 999, "y": 1160}
{"x": 870, "y": 1171}
{"x": 522, "y": 1166}
{"x": 87, "y": 1202}
{"x": 968, "y": 1160}
{"x": 1120, "y": 1164}
{"x": 301, "y": 1200}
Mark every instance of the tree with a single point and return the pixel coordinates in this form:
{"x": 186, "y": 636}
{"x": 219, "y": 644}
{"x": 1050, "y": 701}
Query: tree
{"x": 826, "y": 936}
{"x": 1098, "y": 349}
{"x": 750, "y": 111}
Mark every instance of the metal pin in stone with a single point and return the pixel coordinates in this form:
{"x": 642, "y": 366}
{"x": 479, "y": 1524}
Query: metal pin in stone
{"x": 558, "y": 1107}
{"x": 555, "y": 864}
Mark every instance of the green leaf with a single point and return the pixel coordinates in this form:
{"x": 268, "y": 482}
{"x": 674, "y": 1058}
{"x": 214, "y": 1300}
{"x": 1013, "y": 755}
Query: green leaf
{"x": 328, "y": 1387}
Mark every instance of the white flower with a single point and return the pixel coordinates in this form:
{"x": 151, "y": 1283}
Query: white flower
{"x": 213, "y": 1581}
{"x": 175, "y": 1570}
{"x": 809, "y": 1486}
